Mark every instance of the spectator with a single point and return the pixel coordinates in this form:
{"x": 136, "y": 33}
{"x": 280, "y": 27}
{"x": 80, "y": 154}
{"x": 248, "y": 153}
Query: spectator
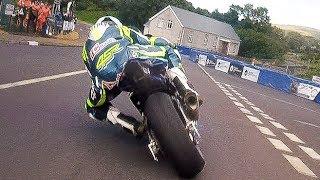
{"x": 46, "y": 14}
{"x": 41, "y": 18}
{"x": 27, "y": 6}
{"x": 21, "y": 14}
{"x": 34, "y": 14}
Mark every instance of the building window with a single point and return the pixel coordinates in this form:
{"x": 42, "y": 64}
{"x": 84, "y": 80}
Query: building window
{"x": 206, "y": 38}
{"x": 214, "y": 46}
{"x": 215, "y": 39}
{"x": 160, "y": 23}
{"x": 235, "y": 48}
{"x": 190, "y": 38}
{"x": 170, "y": 24}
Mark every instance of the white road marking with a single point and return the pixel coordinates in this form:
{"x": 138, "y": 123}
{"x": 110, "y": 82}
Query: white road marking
{"x": 279, "y": 145}
{"x": 238, "y": 104}
{"x": 276, "y": 99}
{"x": 234, "y": 91}
{"x": 243, "y": 98}
{"x": 257, "y": 109}
{"x": 266, "y": 116}
{"x": 309, "y": 124}
{"x": 42, "y": 79}
{"x": 299, "y": 165}
{"x": 245, "y": 111}
{"x": 313, "y": 154}
{"x": 208, "y": 74}
{"x": 233, "y": 98}
{"x": 265, "y": 131}
{"x": 254, "y": 119}
{"x": 293, "y": 138}
{"x": 267, "y": 97}
{"x": 250, "y": 103}
{"x": 278, "y": 125}
{"x": 224, "y": 90}
{"x": 228, "y": 94}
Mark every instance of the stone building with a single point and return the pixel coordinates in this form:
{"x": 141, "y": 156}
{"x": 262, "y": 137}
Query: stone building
{"x": 190, "y": 29}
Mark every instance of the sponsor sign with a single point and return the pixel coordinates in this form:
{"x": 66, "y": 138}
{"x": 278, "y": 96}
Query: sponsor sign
{"x": 316, "y": 79}
{"x": 202, "y": 60}
{"x": 9, "y": 9}
{"x": 97, "y": 48}
{"x": 307, "y": 91}
{"x": 250, "y": 74}
{"x": 211, "y": 62}
{"x": 222, "y": 65}
{"x": 236, "y": 69}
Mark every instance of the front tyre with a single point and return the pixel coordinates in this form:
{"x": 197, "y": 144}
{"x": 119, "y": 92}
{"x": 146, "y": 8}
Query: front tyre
{"x": 172, "y": 135}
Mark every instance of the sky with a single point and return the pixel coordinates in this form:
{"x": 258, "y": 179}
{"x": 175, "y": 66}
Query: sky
{"x": 288, "y": 12}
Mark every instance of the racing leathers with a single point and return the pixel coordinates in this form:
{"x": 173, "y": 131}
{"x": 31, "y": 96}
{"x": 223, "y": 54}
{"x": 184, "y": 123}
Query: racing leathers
{"x": 109, "y": 46}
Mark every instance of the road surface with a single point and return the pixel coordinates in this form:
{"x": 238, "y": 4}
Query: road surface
{"x": 248, "y": 131}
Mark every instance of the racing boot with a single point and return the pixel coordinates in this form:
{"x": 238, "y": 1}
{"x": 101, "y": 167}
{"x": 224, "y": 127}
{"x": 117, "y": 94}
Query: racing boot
{"x": 107, "y": 112}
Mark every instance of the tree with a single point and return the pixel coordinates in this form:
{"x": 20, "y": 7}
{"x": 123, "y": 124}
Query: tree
{"x": 217, "y": 15}
{"x": 260, "y": 45}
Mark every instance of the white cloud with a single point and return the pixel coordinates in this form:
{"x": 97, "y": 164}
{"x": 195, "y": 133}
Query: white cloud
{"x": 293, "y": 12}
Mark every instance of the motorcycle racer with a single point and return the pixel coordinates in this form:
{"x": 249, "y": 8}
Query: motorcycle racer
{"x": 109, "y": 47}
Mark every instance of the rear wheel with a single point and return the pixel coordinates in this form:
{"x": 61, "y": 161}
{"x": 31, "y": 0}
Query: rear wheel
{"x": 172, "y": 135}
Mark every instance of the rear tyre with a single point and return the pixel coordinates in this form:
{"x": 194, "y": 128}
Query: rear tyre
{"x": 172, "y": 135}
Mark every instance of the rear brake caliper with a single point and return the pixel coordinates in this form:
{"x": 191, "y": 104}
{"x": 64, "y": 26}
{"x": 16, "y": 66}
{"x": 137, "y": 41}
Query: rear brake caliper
{"x": 153, "y": 146}
{"x": 153, "y": 143}
{"x": 193, "y": 131}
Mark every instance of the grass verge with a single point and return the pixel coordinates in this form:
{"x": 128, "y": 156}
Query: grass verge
{"x": 91, "y": 16}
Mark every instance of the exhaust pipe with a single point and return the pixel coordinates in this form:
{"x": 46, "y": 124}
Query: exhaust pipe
{"x": 189, "y": 98}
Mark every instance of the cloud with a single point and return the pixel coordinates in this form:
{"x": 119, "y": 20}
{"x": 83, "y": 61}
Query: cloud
{"x": 293, "y": 12}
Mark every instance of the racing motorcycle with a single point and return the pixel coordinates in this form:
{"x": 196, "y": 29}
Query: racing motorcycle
{"x": 170, "y": 114}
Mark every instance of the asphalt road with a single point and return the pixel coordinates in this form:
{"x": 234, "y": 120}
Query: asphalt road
{"x": 46, "y": 133}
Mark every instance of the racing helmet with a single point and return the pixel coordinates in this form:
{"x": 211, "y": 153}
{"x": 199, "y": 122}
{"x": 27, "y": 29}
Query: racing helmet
{"x": 97, "y": 30}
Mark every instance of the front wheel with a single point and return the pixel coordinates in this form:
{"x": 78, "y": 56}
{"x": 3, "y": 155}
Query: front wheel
{"x": 172, "y": 135}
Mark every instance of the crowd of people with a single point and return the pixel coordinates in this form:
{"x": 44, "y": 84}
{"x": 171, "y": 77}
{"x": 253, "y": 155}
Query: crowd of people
{"x": 33, "y": 14}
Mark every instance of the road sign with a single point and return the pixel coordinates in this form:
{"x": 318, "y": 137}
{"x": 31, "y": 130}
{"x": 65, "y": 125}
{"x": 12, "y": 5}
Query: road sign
{"x": 4, "y": 18}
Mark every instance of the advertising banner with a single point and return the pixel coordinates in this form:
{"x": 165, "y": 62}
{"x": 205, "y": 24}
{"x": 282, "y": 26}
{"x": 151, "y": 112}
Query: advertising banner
{"x": 316, "y": 79}
{"x": 222, "y": 65}
{"x": 202, "y": 59}
{"x": 306, "y": 91}
{"x": 250, "y": 74}
{"x": 236, "y": 69}
{"x": 211, "y": 62}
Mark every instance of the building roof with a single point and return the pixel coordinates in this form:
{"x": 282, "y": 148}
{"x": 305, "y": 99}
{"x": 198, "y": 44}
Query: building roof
{"x": 202, "y": 23}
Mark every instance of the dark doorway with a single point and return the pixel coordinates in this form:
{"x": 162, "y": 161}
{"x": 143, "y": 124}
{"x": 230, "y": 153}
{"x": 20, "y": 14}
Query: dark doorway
{"x": 224, "y": 47}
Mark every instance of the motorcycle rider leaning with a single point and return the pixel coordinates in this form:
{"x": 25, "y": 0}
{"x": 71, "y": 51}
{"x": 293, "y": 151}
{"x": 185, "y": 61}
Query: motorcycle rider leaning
{"x": 109, "y": 46}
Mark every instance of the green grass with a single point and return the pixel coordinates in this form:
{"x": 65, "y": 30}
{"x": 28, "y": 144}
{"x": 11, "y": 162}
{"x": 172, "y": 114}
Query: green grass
{"x": 91, "y": 16}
